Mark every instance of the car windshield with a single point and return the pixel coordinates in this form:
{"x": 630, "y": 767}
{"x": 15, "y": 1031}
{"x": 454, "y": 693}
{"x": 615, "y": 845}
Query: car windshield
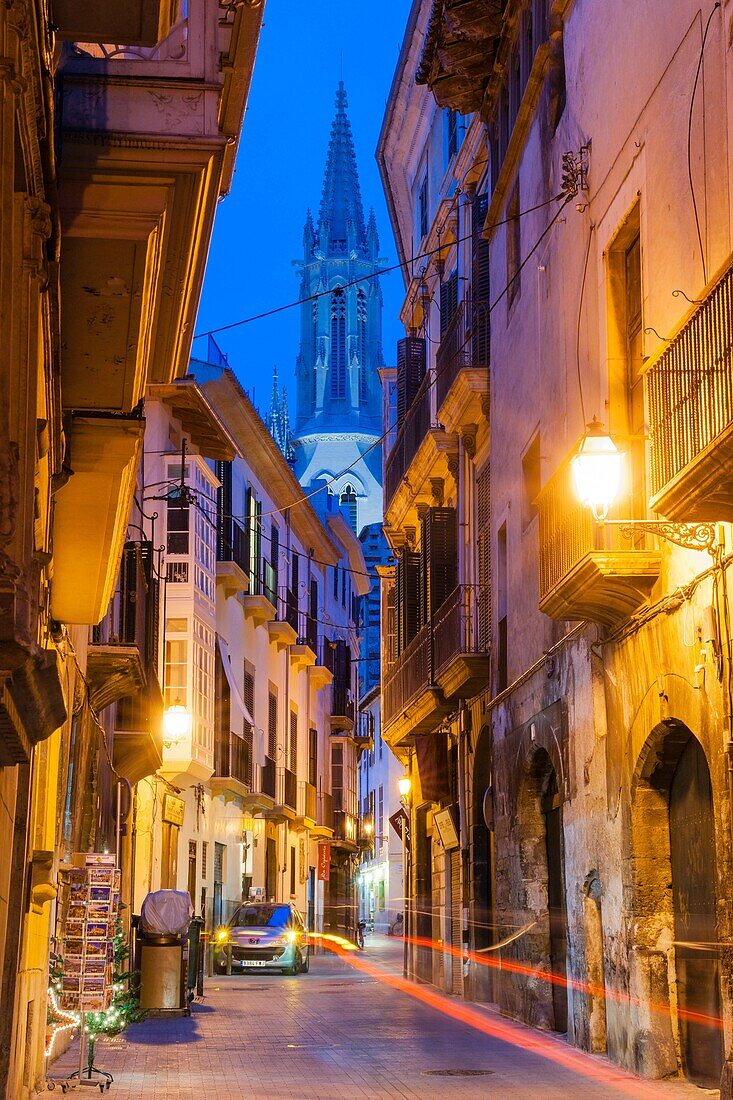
{"x": 261, "y": 916}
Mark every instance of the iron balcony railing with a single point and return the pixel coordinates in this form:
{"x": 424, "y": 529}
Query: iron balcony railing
{"x": 342, "y": 701}
{"x": 409, "y": 438}
{"x": 287, "y": 788}
{"x": 267, "y": 778}
{"x": 690, "y": 387}
{"x": 307, "y": 800}
{"x": 452, "y": 632}
{"x": 233, "y": 758}
{"x": 325, "y": 810}
{"x": 465, "y": 345}
{"x": 344, "y": 827}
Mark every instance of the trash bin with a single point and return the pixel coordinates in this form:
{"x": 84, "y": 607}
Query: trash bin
{"x": 165, "y": 917}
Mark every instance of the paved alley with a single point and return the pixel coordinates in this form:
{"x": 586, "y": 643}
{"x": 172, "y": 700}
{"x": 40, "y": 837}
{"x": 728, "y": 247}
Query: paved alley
{"x": 344, "y": 1031}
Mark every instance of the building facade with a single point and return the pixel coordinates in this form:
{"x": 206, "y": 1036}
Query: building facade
{"x": 254, "y": 645}
{"x": 596, "y": 812}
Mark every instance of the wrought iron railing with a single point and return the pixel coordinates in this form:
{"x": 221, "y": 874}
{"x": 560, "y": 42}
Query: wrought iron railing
{"x": 690, "y": 387}
{"x": 342, "y": 701}
{"x": 233, "y": 758}
{"x": 566, "y": 529}
{"x": 267, "y": 777}
{"x": 409, "y": 438}
{"x": 454, "y": 627}
{"x": 325, "y": 810}
{"x": 307, "y": 800}
{"x": 344, "y": 826}
{"x": 411, "y": 674}
{"x": 233, "y": 544}
{"x": 464, "y": 345}
{"x": 177, "y": 572}
{"x": 287, "y": 788}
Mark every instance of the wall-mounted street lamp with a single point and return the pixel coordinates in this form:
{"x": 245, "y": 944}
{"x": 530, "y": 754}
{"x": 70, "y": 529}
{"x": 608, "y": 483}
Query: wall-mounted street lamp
{"x": 404, "y": 786}
{"x": 176, "y": 724}
{"x": 597, "y": 468}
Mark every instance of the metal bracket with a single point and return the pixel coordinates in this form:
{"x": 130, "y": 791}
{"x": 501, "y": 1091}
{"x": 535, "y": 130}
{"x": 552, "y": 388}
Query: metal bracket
{"x": 691, "y": 536}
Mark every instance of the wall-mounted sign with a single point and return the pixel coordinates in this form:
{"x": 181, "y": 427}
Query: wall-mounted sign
{"x": 173, "y": 809}
{"x": 324, "y": 862}
{"x": 400, "y": 822}
{"x": 446, "y": 826}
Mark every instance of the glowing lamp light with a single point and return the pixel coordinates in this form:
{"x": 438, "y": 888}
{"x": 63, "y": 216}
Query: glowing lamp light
{"x": 176, "y": 724}
{"x": 404, "y": 785}
{"x": 597, "y": 467}
{"x": 368, "y": 828}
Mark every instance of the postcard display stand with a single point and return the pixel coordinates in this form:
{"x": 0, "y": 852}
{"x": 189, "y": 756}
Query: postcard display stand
{"x": 88, "y": 947}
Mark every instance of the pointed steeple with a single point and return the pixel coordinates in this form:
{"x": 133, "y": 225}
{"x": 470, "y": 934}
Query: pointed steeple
{"x": 341, "y": 217}
{"x": 278, "y": 418}
{"x": 372, "y": 236}
{"x": 309, "y": 235}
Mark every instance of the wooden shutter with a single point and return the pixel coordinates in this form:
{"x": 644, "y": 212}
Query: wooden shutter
{"x": 410, "y": 372}
{"x": 483, "y": 540}
{"x": 248, "y": 695}
{"x": 448, "y": 301}
{"x": 293, "y": 755}
{"x": 439, "y": 557}
{"x": 275, "y": 554}
{"x": 408, "y": 599}
{"x": 480, "y": 289}
{"x": 272, "y": 725}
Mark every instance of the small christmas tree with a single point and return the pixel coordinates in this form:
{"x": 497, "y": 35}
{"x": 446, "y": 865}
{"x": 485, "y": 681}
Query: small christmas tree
{"x": 125, "y": 1007}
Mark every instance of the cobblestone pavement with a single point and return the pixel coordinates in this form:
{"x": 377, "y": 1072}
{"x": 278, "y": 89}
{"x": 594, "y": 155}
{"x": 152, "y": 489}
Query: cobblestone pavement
{"x": 341, "y": 1032}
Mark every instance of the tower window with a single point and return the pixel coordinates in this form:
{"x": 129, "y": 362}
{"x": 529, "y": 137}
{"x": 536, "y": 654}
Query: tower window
{"x": 314, "y": 392}
{"x": 361, "y": 330}
{"x": 338, "y": 344}
{"x": 348, "y": 504}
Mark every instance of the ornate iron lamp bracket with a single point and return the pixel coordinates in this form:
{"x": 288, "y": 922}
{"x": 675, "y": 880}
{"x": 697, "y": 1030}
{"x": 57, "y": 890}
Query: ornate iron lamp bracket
{"x": 691, "y": 536}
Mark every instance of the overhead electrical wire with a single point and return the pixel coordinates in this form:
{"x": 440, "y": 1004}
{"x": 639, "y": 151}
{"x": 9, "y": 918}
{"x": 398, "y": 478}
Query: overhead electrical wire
{"x": 365, "y": 278}
{"x": 689, "y": 143}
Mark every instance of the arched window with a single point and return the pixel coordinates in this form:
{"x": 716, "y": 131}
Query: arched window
{"x": 361, "y": 332}
{"x": 348, "y": 504}
{"x": 338, "y": 344}
{"x": 314, "y": 379}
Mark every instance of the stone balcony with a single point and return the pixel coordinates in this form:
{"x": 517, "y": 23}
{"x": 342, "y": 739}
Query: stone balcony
{"x": 462, "y": 369}
{"x": 588, "y": 572}
{"x": 690, "y": 393}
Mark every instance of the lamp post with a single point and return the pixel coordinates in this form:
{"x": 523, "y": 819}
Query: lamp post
{"x": 597, "y": 468}
{"x": 404, "y": 786}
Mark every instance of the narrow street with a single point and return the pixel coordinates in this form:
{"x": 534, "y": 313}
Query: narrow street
{"x": 341, "y": 1031}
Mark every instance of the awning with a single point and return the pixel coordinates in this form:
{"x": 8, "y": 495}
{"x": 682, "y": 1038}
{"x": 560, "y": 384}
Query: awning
{"x": 236, "y": 695}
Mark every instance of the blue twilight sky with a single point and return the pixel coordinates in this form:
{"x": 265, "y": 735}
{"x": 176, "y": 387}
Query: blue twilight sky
{"x": 282, "y": 155}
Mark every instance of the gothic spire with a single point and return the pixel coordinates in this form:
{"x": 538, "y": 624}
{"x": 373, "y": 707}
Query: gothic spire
{"x": 341, "y": 217}
{"x": 278, "y": 418}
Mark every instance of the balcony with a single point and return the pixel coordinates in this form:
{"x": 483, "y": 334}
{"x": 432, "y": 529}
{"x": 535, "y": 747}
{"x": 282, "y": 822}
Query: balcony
{"x": 307, "y": 805}
{"x": 343, "y": 709}
{"x": 268, "y": 783}
{"x": 324, "y": 816}
{"x": 344, "y": 831}
{"x": 690, "y": 393}
{"x": 462, "y": 368}
{"x": 233, "y": 766}
{"x": 321, "y": 674}
{"x": 444, "y": 662}
{"x": 137, "y": 750}
{"x": 136, "y": 22}
{"x": 283, "y": 630}
{"x": 420, "y": 451}
{"x": 458, "y": 49}
{"x": 232, "y": 554}
{"x": 304, "y": 653}
{"x": 286, "y": 798}
{"x": 586, "y": 571}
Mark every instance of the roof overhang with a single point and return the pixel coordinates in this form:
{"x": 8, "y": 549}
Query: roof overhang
{"x": 199, "y": 420}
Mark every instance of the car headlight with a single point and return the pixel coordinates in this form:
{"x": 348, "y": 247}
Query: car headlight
{"x": 291, "y": 935}
{"x": 222, "y": 935}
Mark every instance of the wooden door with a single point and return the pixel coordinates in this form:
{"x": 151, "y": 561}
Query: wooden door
{"x": 692, "y": 849}
{"x": 556, "y": 903}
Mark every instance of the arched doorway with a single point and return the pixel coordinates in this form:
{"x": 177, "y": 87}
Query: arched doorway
{"x": 481, "y": 863}
{"x": 542, "y": 865}
{"x": 692, "y": 853}
{"x": 674, "y": 868}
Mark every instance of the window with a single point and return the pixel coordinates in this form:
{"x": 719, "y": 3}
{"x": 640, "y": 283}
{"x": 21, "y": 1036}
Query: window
{"x": 272, "y": 724}
{"x": 361, "y": 337}
{"x": 513, "y": 248}
{"x": 348, "y": 505}
{"x": 292, "y": 871}
{"x": 502, "y": 656}
{"x": 448, "y": 301}
{"x": 530, "y": 481}
{"x": 204, "y": 860}
{"x": 178, "y": 520}
{"x": 422, "y": 207}
{"x": 176, "y": 669}
{"x": 380, "y": 812}
{"x": 293, "y": 748}
{"x": 451, "y": 129}
{"x": 313, "y": 757}
{"x": 483, "y": 526}
{"x": 338, "y": 344}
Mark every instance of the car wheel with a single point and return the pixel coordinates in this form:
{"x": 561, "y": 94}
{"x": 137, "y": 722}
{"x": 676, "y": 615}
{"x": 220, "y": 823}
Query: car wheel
{"x": 220, "y": 968}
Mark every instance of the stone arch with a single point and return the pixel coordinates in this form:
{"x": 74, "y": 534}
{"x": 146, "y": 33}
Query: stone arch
{"x": 482, "y": 900}
{"x": 673, "y": 859}
{"x": 544, "y": 946}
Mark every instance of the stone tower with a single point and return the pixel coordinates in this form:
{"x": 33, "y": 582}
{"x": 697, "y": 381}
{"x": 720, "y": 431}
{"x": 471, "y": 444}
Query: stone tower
{"x": 338, "y": 400}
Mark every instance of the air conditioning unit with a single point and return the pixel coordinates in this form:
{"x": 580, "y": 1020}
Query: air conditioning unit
{"x": 256, "y": 893}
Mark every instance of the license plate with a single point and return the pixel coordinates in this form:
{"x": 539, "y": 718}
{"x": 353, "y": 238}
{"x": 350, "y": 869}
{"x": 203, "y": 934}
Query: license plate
{"x": 254, "y": 962}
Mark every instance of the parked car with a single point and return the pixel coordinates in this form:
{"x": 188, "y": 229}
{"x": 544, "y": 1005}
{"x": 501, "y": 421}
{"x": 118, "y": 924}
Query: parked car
{"x": 264, "y": 935}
